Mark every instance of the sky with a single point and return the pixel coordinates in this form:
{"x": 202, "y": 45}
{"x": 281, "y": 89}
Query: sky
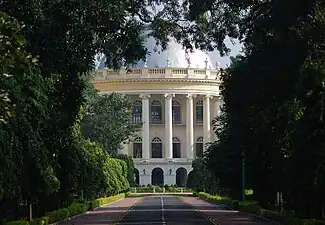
{"x": 224, "y": 61}
{"x": 158, "y": 59}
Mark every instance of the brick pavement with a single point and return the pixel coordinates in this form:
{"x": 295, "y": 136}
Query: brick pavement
{"x": 106, "y": 214}
{"x": 224, "y": 217}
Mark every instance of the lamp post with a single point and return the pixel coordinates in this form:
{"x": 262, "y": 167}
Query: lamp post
{"x": 243, "y": 176}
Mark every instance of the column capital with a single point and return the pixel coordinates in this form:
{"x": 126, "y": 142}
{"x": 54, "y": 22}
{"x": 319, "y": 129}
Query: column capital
{"x": 217, "y": 97}
{"x": 169, "y": 96}
{"x": 208, "y": 97}
{"x": 190, "y": 96}
{"x": 144, "y": 96}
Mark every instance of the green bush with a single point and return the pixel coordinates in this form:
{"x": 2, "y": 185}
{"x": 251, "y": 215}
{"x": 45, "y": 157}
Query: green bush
{"x": 235, "y": 204}
{"x": 102, "y": 201}
{"x": 77, "y": 208}
{"x": 288, "y": 220}
{"x": 46, "y": 220}
{"x": 40, "y": 221}
{"x": 255, "y": 208}
{"x": 18, "y": 222}
{"x": 249, "y": 206}
{"x": 216, "y": 199}
{"x": 58, "y": 215}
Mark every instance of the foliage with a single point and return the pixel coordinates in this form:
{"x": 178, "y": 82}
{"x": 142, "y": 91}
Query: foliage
{"x": 25, "y": 171}
{"x": 107, "y": 120}
{"x": 20, "y": 222}
{"x": 253, "y": 207}
{"x": 130, "y": 168}
{"x": 277, "y": 125}
{"x": 200, "y": 178}
{"x": 44, "y": 152}
{"x": 102, "y": 201}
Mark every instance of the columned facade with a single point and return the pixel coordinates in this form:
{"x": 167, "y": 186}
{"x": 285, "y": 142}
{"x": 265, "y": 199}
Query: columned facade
{"x": 160, "y": 110}
{"x": 175, "y": 108}
{"x": 211, "y": 108}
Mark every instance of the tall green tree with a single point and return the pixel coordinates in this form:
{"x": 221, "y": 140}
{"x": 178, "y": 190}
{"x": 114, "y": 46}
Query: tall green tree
{"x": 25, "y": 171}
{"x": 277, "y": 124}
{"x": 108, "y": 121}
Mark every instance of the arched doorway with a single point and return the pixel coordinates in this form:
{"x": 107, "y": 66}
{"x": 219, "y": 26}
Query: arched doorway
{"x": 181, "y": 177}
{"x": 157, "y": 176}
{"x": 136, "y": 176}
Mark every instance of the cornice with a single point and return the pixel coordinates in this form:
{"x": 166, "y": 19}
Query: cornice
{"x": 156, "y": 80}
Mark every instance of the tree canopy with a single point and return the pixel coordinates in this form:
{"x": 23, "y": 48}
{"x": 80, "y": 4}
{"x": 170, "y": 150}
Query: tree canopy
{"x": 272, "y": 116}
{"x": 108, "y": 121}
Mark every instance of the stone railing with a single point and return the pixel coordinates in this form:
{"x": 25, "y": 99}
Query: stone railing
{"x": 178, "y": 73}
{"x": 182, "y": 161}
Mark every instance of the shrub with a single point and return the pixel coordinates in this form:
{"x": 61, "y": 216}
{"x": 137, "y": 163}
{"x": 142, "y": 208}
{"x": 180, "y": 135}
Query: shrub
{"x": 58, "y": 215}
{"x": 37, "y": 221}
{"x": 18, "y": 222}
{"x": 102, "y": 201}
{"x": 255, "y": 208}
{"x": 249, "y": 206}
{"x": 77, "y": 208}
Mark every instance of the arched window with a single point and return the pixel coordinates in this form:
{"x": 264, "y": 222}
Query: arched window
{"x": 199, "y": 147}
{"x": 199, "y": 111}
{"x": 137, "y": 148}
{"x": 156, "y": 148}
{"x": 176, "y": 148}
{"x": 137, "y": 112}
{"x": 156, "y": 112}
{"x": 176, "y": 108}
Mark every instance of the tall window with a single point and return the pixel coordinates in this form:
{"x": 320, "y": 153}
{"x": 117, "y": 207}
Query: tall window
{"x": 137, "y": 148}
{"x": 156, "y": 112}
{"x": 137, "y": 112}
{"x": 156, "y": 148}
{"x": 199, "y": 111}
{"x": 176, "y": 108}
{"x": 199, "y": 147}
{"x": 176, "y": 148}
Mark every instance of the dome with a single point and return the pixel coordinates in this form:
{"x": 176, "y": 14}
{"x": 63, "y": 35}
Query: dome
{"x": 173, "y": 56}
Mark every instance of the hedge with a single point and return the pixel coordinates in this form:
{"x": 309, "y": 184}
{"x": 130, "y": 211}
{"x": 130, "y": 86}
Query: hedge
{"x": 158, "y": 189}
{"x": 254, "y": 208}
{"x": 102, "y": 201}
{"x": 18, "y": 222}
{"x": 72, "y": 210}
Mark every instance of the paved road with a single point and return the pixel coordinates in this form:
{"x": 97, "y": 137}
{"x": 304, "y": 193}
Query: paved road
{"x": 164, "y": 210}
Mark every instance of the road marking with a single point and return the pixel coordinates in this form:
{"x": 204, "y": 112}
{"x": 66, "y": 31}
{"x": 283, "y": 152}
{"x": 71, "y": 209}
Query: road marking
{"x": 208, "y": 218}
{"x": 162, "y": 210}
{"x": 119, "y": 218}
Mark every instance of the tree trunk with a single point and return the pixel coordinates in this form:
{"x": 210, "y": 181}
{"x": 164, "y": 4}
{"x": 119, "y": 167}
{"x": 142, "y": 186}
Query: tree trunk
{"x": 29, "y": 209}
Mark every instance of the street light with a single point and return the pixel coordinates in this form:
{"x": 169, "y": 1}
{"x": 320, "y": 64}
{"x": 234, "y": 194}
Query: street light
{"x": 243, "y": 176}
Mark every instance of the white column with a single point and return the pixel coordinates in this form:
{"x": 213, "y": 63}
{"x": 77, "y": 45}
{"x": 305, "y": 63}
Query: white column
{"x": 206, "y": 120}
{"x": 145, "y": 126}
{"x": 168, "y": 126}
{"x": 189, "y": 127}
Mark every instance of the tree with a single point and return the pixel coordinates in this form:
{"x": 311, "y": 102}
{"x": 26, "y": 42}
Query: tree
{"x": 130, "y": 168}
{"x": 25, "y": 171}
{"x": 272, "y": 126}
{"x": 200, "y": 178}
{"x": 108, "y": 121}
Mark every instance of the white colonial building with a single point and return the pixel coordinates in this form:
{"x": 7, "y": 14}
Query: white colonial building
{"x": 175, "y": 98}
